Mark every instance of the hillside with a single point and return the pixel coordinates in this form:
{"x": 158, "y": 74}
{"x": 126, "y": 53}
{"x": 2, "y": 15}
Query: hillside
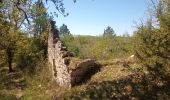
{"x": 118, "y": 78}
{"x": 41, "y": 59}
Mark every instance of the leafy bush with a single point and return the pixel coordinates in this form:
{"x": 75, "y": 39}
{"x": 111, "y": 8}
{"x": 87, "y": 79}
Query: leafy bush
{"x": 100, "y": 47}
{"x": 153, "y": 43}
{"x": 31, "y": 53}
{"x": 68, "y": 38}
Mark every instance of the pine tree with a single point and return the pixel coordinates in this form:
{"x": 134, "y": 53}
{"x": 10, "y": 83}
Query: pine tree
{"x": 109, "y": 32}
{"x": 64, "y": 30}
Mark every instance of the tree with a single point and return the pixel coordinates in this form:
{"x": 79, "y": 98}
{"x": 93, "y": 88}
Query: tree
{"x": 39, "y": 17}
{"x": 23, "y": 6}
{"x": 8, "y": 44}
{"x": 108, "y": 32}
{"x": 64, "y": 30}
{"x": 9, "y": 33}
{"x": 153, "y": 44}
{"x": 20, "y": 15}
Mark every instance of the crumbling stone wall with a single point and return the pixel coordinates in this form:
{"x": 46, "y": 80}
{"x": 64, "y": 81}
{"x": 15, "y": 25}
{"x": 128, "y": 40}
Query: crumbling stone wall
{"x": 66, "y": 70}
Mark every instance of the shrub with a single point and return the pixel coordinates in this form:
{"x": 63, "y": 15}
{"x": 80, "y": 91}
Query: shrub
{"x": 153, "y": 43}
{"x": 97, "y": 47}
{"x": 30, "y": 54}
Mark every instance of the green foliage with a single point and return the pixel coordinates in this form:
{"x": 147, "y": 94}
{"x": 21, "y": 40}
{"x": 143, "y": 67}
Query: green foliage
{"x": 29, "y": 53}
{"x": 35, "y": 49}
{"x": 109, "y": 32}
{"x": 63, "y": 30}
{"x": 40, "y": 18}
{"x": 39, "y": 85}
{"x": 68, "y": 39}
{"x": 153, "y": 44}
{"x": 100, "y": 47}
{"x": 7, "y": 97}
{"x": 9, "y": 37}
{"x": 22, "y": 7}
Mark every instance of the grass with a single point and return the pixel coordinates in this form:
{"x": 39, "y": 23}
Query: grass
{"x": 98, "y": 47}
{"x": 11, "y": 84}
{"x": 116, "y": 82}
{"x": 40, "y": 86}
{"x": 111, "y": 72}
{"x": 113, "y": 81}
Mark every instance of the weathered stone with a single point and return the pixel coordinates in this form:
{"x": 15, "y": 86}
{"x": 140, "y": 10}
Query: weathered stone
{"x": 64, "y": 54}
{"x": 67, "y": 61}
{"x": 63, "y": 49}
{"x": 66, "y": 70}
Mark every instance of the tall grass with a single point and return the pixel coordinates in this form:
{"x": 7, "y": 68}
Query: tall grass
{"x": 39, "y": 83}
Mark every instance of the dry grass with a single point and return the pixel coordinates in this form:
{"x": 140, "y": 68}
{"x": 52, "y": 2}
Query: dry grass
{"x": 113, "y": 81}
{"x": 110, "y": 71}
{"x": 117, "y": 82}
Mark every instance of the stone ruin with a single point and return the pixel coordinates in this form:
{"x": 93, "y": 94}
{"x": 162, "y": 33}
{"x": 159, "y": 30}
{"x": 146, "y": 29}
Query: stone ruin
{"x": 67, "y": 71}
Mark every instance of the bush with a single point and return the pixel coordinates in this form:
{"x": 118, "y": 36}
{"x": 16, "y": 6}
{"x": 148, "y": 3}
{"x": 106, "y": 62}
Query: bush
{"x": 153, "y": 43}
{"x": 30, "y": 54}
{"x": 68, "y": 39}
{"x": 97, "y": 47}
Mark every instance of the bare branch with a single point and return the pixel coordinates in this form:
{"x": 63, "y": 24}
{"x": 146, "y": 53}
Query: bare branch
{"x": 20, "y": 9}
{"x": 153, "y": 4}
{"x": 21, "y": 23}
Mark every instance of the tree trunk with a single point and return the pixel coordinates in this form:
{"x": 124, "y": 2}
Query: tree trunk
{"x": 9, "y": 59}
{"x": 10, "y": 66}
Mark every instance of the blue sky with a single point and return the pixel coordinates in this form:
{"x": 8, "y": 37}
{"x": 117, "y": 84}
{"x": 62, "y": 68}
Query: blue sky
{"x": 91, "y": 17}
